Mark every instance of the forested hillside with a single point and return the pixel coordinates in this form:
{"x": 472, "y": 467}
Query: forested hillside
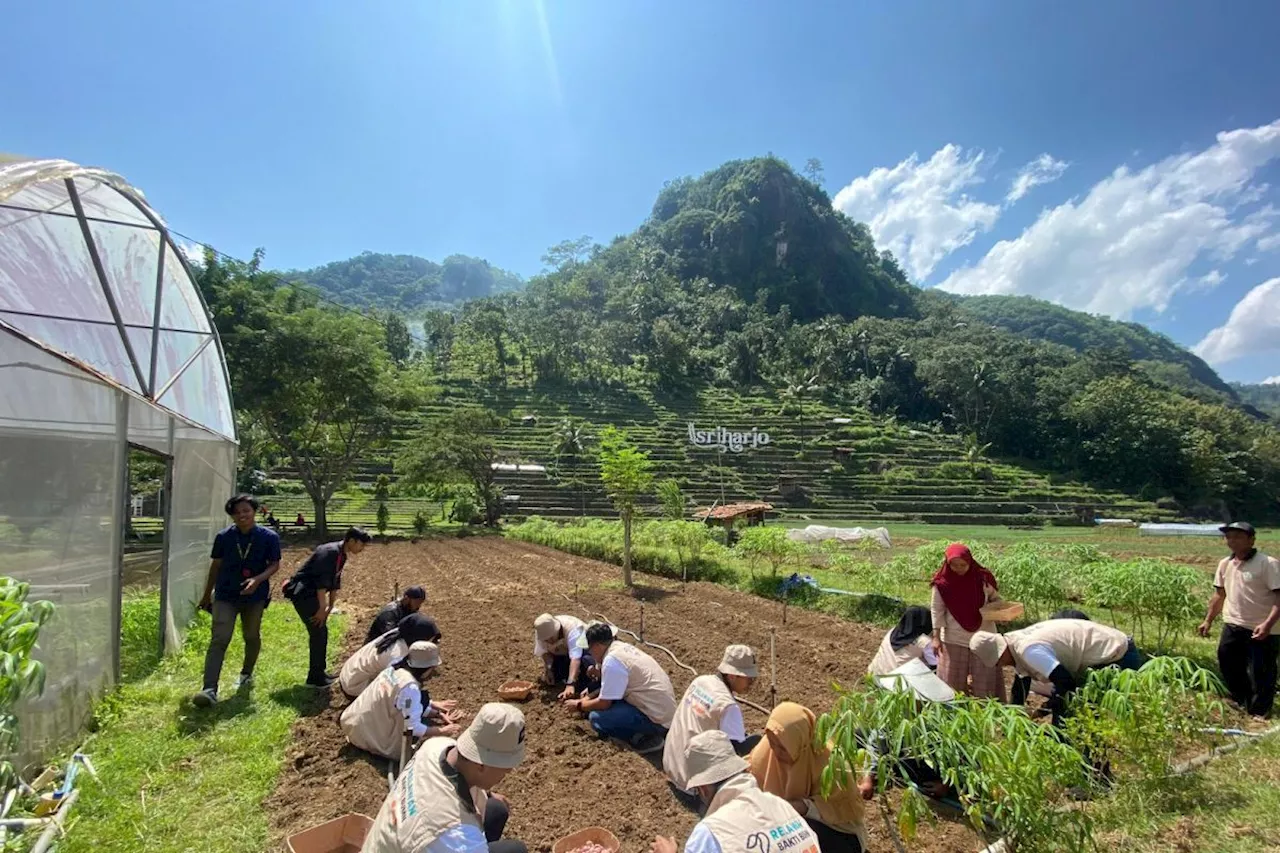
{"x": 1265, "y": 398}
{"x": 406, "y": 283}
{"x": 1151, "y": 353}
{"x": 747, "y": 279}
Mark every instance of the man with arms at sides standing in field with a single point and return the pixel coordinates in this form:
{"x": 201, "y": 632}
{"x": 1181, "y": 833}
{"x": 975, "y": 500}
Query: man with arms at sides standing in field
{"x": 1248, "y": 583}
{"x": 391, "y": 614}
{"x": 244, "y": 558}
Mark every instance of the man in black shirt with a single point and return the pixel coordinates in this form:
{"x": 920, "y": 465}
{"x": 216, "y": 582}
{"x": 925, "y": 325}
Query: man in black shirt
{"x": 390, "y": 615}
{"x": 313, "y": 589}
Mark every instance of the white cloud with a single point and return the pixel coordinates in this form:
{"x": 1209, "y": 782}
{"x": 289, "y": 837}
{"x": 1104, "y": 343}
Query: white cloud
{"x": 919, "y": 211}
{"x": 1252, "y": 328}
{"x": 1269, "y": 243}
{"x": 1042, "y": 170}
{"x": 1271, "y": 380}
{"x": 193, "y": 252}
{"x": 1129, "y": 242}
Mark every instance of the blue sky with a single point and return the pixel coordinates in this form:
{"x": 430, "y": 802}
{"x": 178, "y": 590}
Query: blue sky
{"x": 321, "y": 129}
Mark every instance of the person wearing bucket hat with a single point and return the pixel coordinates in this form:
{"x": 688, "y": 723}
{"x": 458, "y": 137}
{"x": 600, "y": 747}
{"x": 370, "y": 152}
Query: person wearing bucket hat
{"x": 1247, "y": 586}
{"x": 710, "y": 704}
{"x": 636, "y": 703}
{"x": 558, "y": 643}
{"x": 442, "y": 801}
{"x": 397, "y": 704}
{"x": 738, "y": 814}
{"x": 1057, "y": 651}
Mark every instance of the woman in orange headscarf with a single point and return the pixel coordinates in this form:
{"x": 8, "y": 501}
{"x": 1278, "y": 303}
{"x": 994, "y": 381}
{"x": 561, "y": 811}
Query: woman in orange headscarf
{"x": 961, "y": 588}
{"x": 787, "y": 764}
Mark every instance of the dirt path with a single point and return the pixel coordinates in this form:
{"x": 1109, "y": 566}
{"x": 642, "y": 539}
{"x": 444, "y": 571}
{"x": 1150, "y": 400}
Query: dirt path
{"x": 485, "y": 594}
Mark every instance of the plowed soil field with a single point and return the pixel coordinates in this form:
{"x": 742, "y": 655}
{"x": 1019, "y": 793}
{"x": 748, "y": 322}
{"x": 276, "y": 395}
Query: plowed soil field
{"x": 485, "y": 593}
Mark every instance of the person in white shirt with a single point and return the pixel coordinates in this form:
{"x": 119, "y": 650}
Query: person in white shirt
{"x": 911, "y": 639}
{"x": 558, "y": 643}
{"x": 397, "y": 703}
{"x": 636, "y": 703}
{"x": 740, "y": 817}
{"x": 443, "y": 801}
{"x": 709, "y": 704}
{"x": 1248, "y": 584}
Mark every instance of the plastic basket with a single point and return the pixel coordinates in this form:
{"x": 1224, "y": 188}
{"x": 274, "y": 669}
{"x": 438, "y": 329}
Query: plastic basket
{"x": 342, "y": 835}
{"x": 515, "y": 691}
{"x": 592, "y": 834}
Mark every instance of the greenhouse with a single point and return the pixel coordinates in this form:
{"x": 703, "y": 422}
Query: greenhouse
{"x": 106, "y": 350}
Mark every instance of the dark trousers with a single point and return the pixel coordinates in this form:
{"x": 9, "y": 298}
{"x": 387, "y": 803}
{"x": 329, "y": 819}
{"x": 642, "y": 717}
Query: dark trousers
{"x": 833, "y": 841}
{"x": 496, "y": 815}
{"x": 1249, "y": 668}
{"x": 317, "y": 637}
{"x": 224, "y": 626}
{"x": 560, "y": 671}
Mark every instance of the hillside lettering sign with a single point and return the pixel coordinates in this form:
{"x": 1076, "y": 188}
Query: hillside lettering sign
{"x": 723, "y": 439}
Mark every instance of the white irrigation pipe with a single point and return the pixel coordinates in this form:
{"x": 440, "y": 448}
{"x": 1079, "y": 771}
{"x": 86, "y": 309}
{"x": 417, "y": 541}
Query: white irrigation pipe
{"x": 55, "y": 826}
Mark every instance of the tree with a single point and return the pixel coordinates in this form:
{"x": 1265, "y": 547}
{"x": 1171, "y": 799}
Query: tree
{"x": 672, "y": 499}
{"x": 458, "y": 447}
{"x": 382, "y": 488}
{"x": 813, "y": 170}
{"x": 570, "y": 440}
{"x": 626, "y": 473}
{"x": 797, "y": 389}
{"x": 567, "y": 253}
{"x": 384, "y": 518}
{"x": 399, "y": 341}
{"x": 317, "y": 381}
{"x": 769, "y": 545}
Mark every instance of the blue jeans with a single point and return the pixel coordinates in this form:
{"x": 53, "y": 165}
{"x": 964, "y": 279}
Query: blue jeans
{"x": 623, "y": 721}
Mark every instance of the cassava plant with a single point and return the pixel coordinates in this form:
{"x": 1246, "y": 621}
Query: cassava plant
{"x": 1155, "y": 598}
{"x": 1009, "y": 773}
{"x": 20, "y": 676}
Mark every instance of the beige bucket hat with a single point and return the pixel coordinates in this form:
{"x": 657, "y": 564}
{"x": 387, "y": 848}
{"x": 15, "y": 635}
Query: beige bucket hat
{"x": 987, "y": 647}
{"x": 495, "y": 737}
{"x": 739, "y": 660}
{"x": 711, "y": 759}
{"x": 546, "y": 627}
{"x": 423, "y": 655}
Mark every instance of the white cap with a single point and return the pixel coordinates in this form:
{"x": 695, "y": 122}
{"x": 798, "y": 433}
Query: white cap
{"x": 711, "y": 759}
{"x": 739, "y": 660}
{"x": 916, "y": 676}
{"x": 495, "y": 737}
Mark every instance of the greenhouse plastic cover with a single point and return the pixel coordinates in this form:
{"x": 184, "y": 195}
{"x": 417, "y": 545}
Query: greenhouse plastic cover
{"x": 819, "y": 533}
{"x": 98, "y": 356}
{"x": 1179, "y": 530}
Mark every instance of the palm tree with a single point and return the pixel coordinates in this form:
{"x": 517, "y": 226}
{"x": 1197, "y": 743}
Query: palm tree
{"x": 798, "y": 388}
{"x": 569, "y": 441}
{"x": 974, "y": 453}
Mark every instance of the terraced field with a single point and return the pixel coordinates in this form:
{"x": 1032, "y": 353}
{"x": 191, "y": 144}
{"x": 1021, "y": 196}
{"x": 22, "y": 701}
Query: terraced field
{"x": 827, "y": 465}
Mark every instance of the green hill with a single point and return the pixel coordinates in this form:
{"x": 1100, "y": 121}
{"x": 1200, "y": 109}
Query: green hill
{"x": 408, "y": 284}
{"x": 1264, "y": 398}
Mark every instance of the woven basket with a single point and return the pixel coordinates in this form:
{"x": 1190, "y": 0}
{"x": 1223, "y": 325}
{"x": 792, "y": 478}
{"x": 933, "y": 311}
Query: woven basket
{"x": 597, "y": 834}
{"x": 515, "y": 691}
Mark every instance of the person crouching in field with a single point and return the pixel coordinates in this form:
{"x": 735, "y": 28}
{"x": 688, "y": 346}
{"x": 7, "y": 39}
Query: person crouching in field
{"x": 636, "y": 703}
{"x": 391, "y": 614}
{"x": 1057, "y": 651}
{"x": 313, "y": 589}
{"x": 1248, "y": 584}
{"x": 442, "y": 803}
{"x": 558, "y": 643}
{"x": 373, "y": 657}
{"x": 398, "y": 703}
{"x": 243, "y": 560}
{"x": 709, "y": 705}
{"x": 911, "y": 639}
{"x": 961, "y": 588}
{"x": 739, "y": 815}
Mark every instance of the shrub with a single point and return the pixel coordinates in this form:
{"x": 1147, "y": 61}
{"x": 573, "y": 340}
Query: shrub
{"x": 1159, "y": 598}
{"x": 1033, "y": 575}
{"x": 900, "y": 475}
{"x": 20, "y": 675}
{"x": 421, "y": 524}
{"x": 770, "y": 545}
{"x": 672, "y": 500}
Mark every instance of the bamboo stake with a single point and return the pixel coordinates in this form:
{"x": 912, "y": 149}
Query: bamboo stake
{"x": 55, "y": 826}
{"x": 642, "y": 622}
{"x": 773, "y": 668}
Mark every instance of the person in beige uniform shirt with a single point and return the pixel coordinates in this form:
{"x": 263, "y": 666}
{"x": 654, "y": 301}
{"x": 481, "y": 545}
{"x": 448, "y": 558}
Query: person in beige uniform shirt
{"x": 557, "y": 642}
{"x": 708, "y": 705}
{"x": 442, "y": 802}
{"x": 740, "y": 817}
{"x": 1248, "y": 584}
{"x": 1057, "y": 651}
{"x": 636, "y": 702}
{"x": 397, "y": 702}
{"x": 911, "y": 639}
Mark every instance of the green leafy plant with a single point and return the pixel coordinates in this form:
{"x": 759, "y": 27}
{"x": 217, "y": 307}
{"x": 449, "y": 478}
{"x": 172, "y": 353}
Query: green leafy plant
{"x": 1033, "y": 575}
{"x": 689, "y": 539}
{"x": 421, "y": 524}
{"x": 382, "y": 488}
{"x": 20, "y": 676}
{"x": 384, "y": 518}
{"x": 1157, "y": 599}
{"x": 1008, "y": 772}
{"x": 627, "y": 473}
{"x": 672, "y": 500}
{"x": 762, "y": 544}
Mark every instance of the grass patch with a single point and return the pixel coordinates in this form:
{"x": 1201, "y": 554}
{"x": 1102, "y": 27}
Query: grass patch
{"x": 177, "y": 778}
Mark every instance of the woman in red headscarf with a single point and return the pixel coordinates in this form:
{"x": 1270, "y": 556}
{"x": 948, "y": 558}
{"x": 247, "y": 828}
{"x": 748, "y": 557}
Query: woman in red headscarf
{"x": 961, "y": 588}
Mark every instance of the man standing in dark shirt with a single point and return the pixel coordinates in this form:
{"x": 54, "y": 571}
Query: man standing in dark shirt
{"x": 390, "y": 615}
{"x": 313, "y": 589}
{"x": 244, "y": 558}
